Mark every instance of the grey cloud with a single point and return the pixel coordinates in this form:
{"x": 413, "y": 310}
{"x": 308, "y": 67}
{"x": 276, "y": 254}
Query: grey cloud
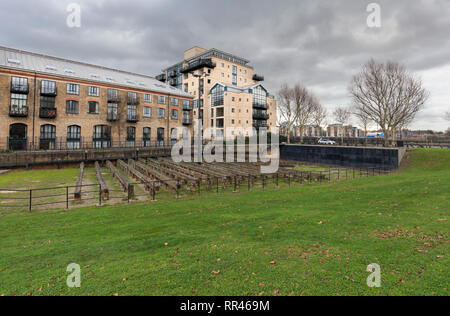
{"x": 320, "y": 43}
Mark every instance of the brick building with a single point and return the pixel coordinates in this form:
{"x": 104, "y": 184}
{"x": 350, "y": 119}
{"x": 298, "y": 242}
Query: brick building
{"x": 54, "y": 103}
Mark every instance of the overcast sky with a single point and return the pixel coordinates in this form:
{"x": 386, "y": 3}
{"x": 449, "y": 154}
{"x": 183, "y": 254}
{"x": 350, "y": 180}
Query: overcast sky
{"x": 320, "y": 43}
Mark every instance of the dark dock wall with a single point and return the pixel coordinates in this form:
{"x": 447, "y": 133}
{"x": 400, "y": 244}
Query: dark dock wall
{"x": 356, "y": 157}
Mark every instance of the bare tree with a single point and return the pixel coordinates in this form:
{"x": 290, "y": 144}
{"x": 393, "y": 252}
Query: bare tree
{"x": 305, "y": 104}
{"x": 342, "y": 116}
{"x": 287, "y": 109}
{"x": 388, "y": 94}
{"x": 447, "y": 116}
{"x": 319, "y": 116}
{"x": 364, "y": 120}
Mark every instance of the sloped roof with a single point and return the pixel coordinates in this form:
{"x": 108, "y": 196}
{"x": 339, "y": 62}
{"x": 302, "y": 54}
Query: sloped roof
{"x": 16, "y": 59}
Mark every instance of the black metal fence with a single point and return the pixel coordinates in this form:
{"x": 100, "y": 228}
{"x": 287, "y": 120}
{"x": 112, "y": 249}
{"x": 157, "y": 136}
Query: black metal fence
{"x": 64, "y": 197}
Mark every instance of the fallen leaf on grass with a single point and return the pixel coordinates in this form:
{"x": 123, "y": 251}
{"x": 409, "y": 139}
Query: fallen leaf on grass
{"x": 272, "y": 262}
{"x": 216, "y": 272}
{"x": 276, "y": 292}
{"x": 442, "y": 220}
{"x": 320, "y": 223}
{"x": 116, "y": 294}
{"x": 166, "y": 244}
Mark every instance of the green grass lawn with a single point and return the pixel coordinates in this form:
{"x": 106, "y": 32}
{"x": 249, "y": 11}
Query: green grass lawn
{"x": 306, "y": 240}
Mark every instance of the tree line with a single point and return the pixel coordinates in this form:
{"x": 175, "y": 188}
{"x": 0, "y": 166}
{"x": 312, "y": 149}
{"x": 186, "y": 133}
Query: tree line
{"x": 384, "y": 94}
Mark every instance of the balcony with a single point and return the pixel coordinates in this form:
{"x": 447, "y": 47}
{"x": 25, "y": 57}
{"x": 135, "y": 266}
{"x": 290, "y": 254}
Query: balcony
{"x": 260, "y": 105}
{"x": 19, "y": 88}
{"x": 199, "y": 64}
{"x": 172, "y": 73}
{"x": 187, "y": 121}
{"x": 47, "y": 113}
{"x": 187, "y": 107}
{"x": 18, "y": 111}
{"x": 133, "y": 101}
{"x": 259, "y": 124}
{"x": 132, "y": 118}
{"x": 257, "y": 77}
{"x": 113, "y": 98}
{"x": 173, "y": 82}
{"x": 112, "y": 117}
{"x": 161, "y": 77}
{"x": 49, "y": 92}
{"x": 261, "y": 115}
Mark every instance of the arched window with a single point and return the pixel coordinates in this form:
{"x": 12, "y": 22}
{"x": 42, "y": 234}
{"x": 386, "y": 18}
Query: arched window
{"x": 160, "y": 137}
{"x": 217, "y": 95}
{"x": 74, "y": 137}
{"x": 17, "y": 139}
{"x": 146, "y": 137}
{"x": 102, "y": 136}
{"x": 48, "y": 137}
{"x": 131, "y": 136}
{"x": 173, "y": 136}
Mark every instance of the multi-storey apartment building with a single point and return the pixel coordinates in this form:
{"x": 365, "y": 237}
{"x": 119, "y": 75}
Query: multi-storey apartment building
{"x": 228, "y": 94}
{"x": 54, "y": 103}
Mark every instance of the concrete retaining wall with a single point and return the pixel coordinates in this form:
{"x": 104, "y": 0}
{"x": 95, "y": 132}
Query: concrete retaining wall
{"x": 357, "y": 157}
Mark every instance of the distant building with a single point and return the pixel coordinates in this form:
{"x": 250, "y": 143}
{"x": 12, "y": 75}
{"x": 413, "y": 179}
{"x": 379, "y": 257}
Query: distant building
{"x": 230, "y": 95}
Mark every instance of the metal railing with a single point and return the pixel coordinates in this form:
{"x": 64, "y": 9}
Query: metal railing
{"x": 92, "y": 194}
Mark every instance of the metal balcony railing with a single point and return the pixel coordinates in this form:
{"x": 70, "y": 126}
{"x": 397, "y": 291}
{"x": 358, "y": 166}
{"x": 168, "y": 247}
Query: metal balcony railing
{"x": 19, "y": 88}
{"x": 161, "y": 77}
{"x": 260, "y": 105}
{"x": 257, "y": 77}
{"x": 199, "y": 64}
{"x": 112, "y": 117}
{"x": 49, "y": 92}
{"x": 47, "y": 113}
{"x": 133, "y": 100}
{"x": 260, "y": 115}
{"x": 132, "y": 118}
{"x": 18, "y": 111}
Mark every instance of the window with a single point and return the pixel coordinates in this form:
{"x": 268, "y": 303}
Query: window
{"x": 147, "y": 112}
{"x": 146, "y": 136}
{"x": 47, "y": 102}
{"x": 113, "y": 112}
{"x": 74, "y": 137}
{"x": 186, "y": 104}
{"x": 131, "y": 113}
{"x": 73, "y": 88}
{"x": 71, "y": 107}
{"x": 18, "y": 100}
{"x": 131, "y": 136}
{"x": 48, "y": 137}
{"x": 160, "y": 137}
{"x": 19, "y": 84}
{"x": 161, "y": 99}
{"x": 161, "y": 113}
{"x": 174, "y": 115}
{"x": 148, "y": 98}
{"x": 174, "y": 101}
{"x": 48, "y": 87}
{"x": 219, "y": 123}
{"x": 220, "y": 112}
{"x": 234, "y": 75}
{"x": 173, "y": 136}
{"x": 93, "y": 107}
{"x": 232, "y": 110}
{"x": 113, "y": 94}
{"x": 102, "y": 136}
{"x": 94, "y": 91}
{"x": 259, "y": 97}
{"x": 232, "y": 122}
{"x": 217, "y": 95}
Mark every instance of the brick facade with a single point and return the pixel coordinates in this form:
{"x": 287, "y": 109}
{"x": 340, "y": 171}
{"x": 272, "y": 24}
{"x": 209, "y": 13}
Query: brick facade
{"x": 85, "y": 120}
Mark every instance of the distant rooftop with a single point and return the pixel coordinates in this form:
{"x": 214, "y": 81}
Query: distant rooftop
{"x": 17, "y": 59}
{"x": 213, "y": 52}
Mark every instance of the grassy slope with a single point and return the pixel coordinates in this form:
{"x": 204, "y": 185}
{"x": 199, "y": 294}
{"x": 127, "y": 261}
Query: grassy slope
{"x": 122, "y": 249}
